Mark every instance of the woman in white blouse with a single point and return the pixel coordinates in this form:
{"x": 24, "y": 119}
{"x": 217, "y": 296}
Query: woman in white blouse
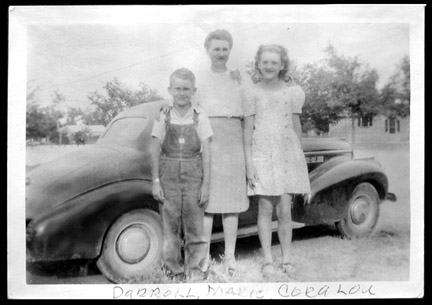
{"x": 220, "y": 95}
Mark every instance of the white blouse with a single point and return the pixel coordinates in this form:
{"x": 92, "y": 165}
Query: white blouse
{"x": 220, "y": 94}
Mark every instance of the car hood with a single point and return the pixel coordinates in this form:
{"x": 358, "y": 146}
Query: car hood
{"x": 59, "y": 180}
{"x": 325, "y": 144}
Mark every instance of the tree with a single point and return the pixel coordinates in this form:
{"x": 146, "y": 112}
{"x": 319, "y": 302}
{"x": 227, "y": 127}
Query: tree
{"x": 118, "y": 98}
{"x": 75, "y": 115}
{"x": 38, "y": 121}
{"x": 321, "y": 108}
{"x": 353, "y": 87}
{"x": 34, "y": 122}
{"x": 395, "y": 95}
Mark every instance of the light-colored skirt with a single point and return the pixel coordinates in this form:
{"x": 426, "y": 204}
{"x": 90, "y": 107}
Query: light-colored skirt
{"x": 228, "y": 190}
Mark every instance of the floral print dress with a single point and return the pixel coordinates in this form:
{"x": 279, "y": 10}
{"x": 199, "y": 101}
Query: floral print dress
{"x": 276, "y": 149}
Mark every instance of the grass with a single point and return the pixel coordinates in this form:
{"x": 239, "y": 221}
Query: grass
{"x": 317, "y": 258}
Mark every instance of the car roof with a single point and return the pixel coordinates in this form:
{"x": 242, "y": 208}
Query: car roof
{"x": 149, "y": 109}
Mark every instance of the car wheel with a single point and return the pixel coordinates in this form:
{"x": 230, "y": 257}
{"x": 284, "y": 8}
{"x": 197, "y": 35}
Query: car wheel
{"x": 132, "y": 247}
{"x": 362, "y": 212}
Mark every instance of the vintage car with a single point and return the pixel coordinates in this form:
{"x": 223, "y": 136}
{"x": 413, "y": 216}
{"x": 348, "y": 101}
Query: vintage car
{"x": 97, "y": 203}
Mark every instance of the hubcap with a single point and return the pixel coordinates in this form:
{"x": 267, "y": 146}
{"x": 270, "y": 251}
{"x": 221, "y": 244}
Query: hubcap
{"x": 133, "y": 244}
{"x": 359, "y": 210}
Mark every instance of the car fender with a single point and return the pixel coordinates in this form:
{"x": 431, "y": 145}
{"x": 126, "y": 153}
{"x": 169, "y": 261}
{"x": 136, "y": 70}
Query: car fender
{"x": 331, "y": 185}
{"x": 340, "y": 169}
{"x": 76, "y": 228}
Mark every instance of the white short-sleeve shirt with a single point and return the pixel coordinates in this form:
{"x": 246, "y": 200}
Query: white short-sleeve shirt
{"x": 204, "y": 129}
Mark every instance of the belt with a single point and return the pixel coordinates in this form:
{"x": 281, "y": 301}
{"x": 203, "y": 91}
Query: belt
{"x": 193, "y": 158}
{"x": 225, "y": 117}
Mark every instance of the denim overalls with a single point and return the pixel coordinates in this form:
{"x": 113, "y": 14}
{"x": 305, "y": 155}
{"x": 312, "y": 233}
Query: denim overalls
{"x": 181, "y": 179}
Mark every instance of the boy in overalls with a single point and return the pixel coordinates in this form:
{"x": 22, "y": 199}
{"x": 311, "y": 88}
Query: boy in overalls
{"x": 180, "y": 172}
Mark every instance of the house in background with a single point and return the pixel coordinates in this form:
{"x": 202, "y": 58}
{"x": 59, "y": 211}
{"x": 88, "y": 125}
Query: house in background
{"x": 379, "y": 129}
{"x": 90, "y": 133}
{"x": 95, "y": 131}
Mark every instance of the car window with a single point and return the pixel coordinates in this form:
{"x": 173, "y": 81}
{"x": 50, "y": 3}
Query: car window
{"x": 127, "y": 128}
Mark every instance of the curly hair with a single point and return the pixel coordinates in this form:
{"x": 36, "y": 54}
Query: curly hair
{"x": 219, "y": 34}
{"x": 184, "y": 74}
{"x": 281, "y": 50}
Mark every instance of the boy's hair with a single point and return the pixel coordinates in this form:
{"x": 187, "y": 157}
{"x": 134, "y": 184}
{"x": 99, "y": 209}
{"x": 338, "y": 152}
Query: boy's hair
{"x": 219, "y": 34}
{"x": 281, "y": 50}
{"x": 184, "y": 74}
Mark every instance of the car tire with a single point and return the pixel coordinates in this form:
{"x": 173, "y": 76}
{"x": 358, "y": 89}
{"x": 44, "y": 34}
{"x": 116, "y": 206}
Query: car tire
{"x": 132, "y": 246}
{"x": 362, "y": 212}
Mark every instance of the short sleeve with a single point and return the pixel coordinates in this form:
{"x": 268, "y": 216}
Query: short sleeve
{"x": 298, "y": 99}
{"x": 158, "y": 130}
{"x": 204, "y": 128}
{"x": 248, "y": 101}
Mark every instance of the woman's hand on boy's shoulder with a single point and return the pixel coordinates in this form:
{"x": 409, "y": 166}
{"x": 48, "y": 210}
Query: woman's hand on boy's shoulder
{"x": 236, "y": 75}
{"x": 164, "y": 109}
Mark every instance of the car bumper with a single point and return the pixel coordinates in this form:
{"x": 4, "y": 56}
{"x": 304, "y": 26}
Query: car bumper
{"x": 391, "y": 197}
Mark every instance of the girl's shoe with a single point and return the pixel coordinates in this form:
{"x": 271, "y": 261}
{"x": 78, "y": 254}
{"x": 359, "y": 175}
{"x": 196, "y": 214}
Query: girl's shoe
{"x": 230, "y": 264}
{"x": 288, "y": 268}
{"x": 268, "y": 270}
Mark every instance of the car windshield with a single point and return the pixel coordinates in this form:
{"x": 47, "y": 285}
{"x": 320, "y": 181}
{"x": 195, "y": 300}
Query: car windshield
{"x": 127, "y": 128}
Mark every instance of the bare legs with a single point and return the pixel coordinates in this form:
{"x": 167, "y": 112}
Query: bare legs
{"x": 283, "y": 212}
{"x": 207, "y": 231}
{"x": 230, "y": 225}
{"x": 265, "y": 211}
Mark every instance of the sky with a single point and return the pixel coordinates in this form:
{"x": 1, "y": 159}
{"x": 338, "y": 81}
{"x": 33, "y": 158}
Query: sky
{"x": 79, "y": 54}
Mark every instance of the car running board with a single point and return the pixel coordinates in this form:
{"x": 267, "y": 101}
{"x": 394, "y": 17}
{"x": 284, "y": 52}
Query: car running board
{"x": 252, "y": 230}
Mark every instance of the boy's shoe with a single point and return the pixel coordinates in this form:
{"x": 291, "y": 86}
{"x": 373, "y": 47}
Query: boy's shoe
{"x": 179, "y": 277}
{"x": 196, "y": 276}
{"x": 206, "y": 263}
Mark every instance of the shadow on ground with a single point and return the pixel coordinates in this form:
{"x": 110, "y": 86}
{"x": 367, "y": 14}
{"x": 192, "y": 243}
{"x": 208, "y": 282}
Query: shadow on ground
{"x": 64, "y": 269}
{"x": 250, "y": 245}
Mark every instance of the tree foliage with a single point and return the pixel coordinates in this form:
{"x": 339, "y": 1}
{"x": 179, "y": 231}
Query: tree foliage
{"x": 353, "y": 85}
{"x": 43, "y": 122}
{"x": 321, "y": 107}
{"x": 117, "y": 98}
{"x": 395, "y": 95}
{"x": 40, "y": 122}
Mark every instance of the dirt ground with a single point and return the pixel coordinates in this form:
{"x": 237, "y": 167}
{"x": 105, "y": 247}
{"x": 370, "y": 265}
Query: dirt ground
{"x": 318, "y": 253}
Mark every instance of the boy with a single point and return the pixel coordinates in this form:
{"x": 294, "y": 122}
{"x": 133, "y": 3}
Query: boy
{"x": 180, "y": 170}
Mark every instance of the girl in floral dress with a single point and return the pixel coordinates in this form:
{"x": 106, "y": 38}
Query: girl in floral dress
{"x": 276, "y": 166}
